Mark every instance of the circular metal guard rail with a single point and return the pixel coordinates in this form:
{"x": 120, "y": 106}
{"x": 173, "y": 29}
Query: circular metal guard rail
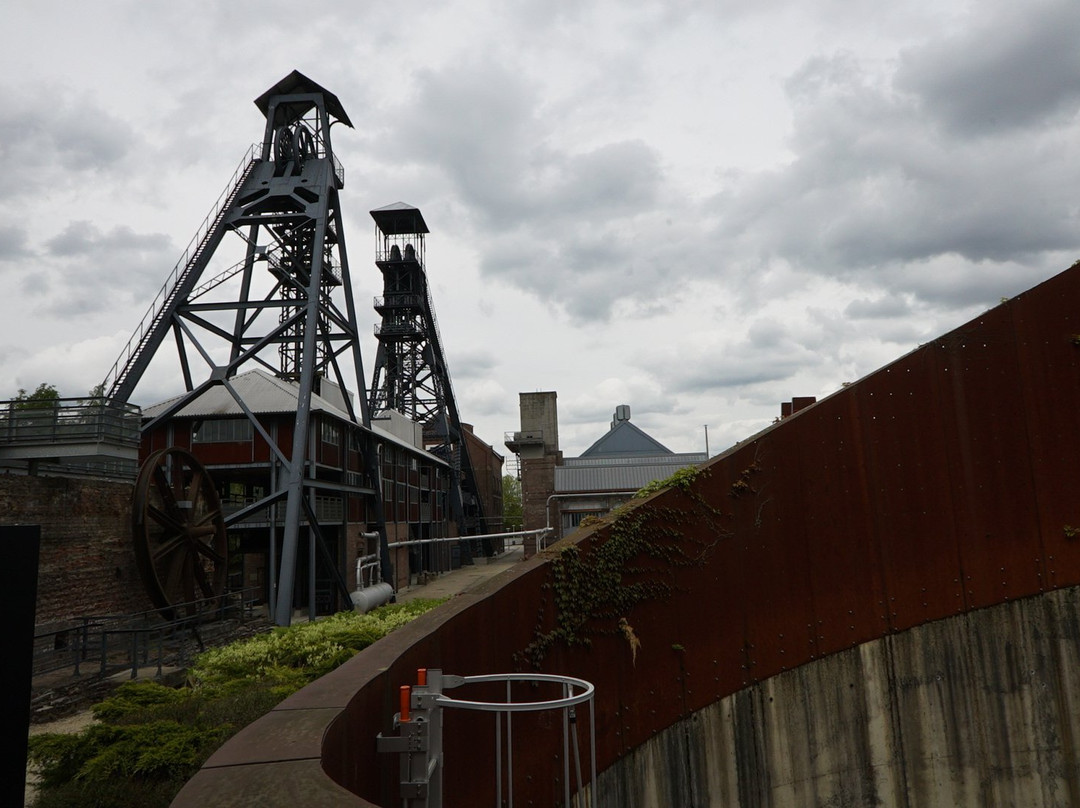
{"x": 522, "y": 706}
{"x": 567, "y": 704}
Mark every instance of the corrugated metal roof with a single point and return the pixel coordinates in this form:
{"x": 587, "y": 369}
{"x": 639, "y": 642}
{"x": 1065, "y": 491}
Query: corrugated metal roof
{"x": 261, "y": 392}
{"x": 266, "y": 395}
{"x": 622, "y": 477}
{"x": 297, "y": 83}
{"x": 678, "y": 460}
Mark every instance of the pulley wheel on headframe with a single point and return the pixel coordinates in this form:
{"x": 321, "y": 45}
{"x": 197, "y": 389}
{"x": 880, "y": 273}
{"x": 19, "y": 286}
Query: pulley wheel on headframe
{"x": 179, "y": 533}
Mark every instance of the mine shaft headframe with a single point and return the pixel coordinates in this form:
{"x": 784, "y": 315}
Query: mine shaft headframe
{"x": 411, "y": 374}
{"x": 399, "y": 225}
{"x": 297, "y": 124}
{"x": 280, "y": 209}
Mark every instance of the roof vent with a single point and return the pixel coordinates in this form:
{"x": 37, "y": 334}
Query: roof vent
{"x": 622, "y": 413}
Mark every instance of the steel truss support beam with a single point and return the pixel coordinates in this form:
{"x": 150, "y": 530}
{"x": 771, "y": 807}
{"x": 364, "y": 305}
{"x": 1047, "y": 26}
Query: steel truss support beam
{"x": 411, "y": 374}
{"x": 283, "y": 304}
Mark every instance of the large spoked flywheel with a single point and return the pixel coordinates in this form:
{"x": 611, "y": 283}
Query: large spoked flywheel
{"x": 179, "y": 533}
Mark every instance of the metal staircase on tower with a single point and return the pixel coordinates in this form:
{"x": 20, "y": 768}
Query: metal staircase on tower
{"x": 265, "y": 285}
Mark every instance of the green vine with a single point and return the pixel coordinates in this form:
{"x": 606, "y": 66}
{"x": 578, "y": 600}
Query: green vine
{"x": 682, "y": 479}
{"x": 594, "y": 585}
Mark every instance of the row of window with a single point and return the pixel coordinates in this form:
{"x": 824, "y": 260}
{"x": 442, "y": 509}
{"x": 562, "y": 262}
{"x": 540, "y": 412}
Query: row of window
{"x": 403, "y": 502}
{"x": 223, "y": 430}
{"x": 240, "y": 430}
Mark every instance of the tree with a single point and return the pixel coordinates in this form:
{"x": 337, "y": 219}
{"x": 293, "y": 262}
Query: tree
{"x": 45, "y": 396}
{"x": 512, "y": 513}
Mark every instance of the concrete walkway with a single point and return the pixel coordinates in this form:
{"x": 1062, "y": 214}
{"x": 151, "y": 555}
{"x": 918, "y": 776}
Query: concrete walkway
{"x": 464, "y": 578}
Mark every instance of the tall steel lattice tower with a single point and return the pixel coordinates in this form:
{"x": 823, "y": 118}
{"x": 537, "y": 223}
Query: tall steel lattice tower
{"x": 411, "y": 374}
{"x": 282, "y": 302}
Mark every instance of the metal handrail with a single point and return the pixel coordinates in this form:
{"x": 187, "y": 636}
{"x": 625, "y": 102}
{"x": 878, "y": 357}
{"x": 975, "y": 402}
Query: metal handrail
{"x": 567, "y": 703}
{"x": 522, "y": 533}
{"x": 69, "y": 420}
{"x": 402, "y": 300}
{"x": 159, "y": 303}
{"x": 113, "y": 643}
{"x": 419, "y": 726}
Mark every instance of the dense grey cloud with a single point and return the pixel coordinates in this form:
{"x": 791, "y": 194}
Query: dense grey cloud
{"x": 83, "y": 238}
{"x": 884, "y": 307}
{"x": 877, "y": 190}
{"x": 46, "y": 133}
{"x": 769, "y": 352}
{"x": 1015, "y": 65}
{"x": 479, "y": 123}
{"x": 473, "y": 364}
{"x": 696, "y": 208}
{"x": 91, "y": 270}
{"x": 12, "y": 242}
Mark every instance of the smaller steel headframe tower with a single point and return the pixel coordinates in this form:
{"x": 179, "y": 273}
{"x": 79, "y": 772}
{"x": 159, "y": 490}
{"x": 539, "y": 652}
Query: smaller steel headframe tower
{"x": 411, "y": 374}
{"x": 281, "y": 302}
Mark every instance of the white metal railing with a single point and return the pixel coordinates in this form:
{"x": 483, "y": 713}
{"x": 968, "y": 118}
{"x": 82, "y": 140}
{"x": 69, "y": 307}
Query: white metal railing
{"x": 418, "y": 742}
{"x": 339, "y": 170}
{"x": 517, "y": 533}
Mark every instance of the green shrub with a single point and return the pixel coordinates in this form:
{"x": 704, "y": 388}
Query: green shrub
{"x": 112, "y": 794}
{"x": 133, "y": 700}
{"x": 304, "y": 652}
{"x": 149, "y": 739}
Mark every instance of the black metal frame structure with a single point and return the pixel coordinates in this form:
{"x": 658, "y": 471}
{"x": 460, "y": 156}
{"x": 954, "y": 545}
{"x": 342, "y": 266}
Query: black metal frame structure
{"x": 411, "y": 375}
{"x": 285, "y": 305}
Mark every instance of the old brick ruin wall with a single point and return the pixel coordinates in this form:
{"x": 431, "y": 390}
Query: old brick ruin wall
{"x": 87, "y": 565}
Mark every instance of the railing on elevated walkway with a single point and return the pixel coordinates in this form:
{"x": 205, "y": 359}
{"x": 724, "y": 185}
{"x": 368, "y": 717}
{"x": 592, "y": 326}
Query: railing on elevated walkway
{"x": 91, "y": 432}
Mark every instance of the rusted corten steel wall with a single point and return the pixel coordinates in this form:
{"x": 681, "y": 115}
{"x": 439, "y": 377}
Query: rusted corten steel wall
{"x": 943, "y": 483}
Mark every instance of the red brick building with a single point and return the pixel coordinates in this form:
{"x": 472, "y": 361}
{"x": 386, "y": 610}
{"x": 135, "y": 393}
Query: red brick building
{"x": 415, "y": 483}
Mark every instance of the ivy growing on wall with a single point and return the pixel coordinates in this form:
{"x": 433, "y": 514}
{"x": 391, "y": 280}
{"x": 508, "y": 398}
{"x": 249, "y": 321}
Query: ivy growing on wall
{"x": 632, "y": 557}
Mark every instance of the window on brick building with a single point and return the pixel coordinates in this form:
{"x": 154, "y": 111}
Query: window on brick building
{"x": 330, "y": 431}
{"x": 223, "y": 430}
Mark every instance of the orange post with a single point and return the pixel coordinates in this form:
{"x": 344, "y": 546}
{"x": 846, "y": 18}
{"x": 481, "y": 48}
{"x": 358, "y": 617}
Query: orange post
{"x": 421, "y": 677}
{"x": 405, "y": 694}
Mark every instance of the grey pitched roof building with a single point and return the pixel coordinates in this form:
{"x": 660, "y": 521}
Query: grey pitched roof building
{"x": 626, "y": 458}
{"x": 558, "y": 492}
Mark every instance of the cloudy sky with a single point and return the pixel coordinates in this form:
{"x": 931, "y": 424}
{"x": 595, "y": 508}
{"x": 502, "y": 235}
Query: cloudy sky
{"x": 699, "y": 209}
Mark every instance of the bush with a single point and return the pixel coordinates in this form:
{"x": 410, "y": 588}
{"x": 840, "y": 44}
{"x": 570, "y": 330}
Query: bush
{"x": 149, "y": 739}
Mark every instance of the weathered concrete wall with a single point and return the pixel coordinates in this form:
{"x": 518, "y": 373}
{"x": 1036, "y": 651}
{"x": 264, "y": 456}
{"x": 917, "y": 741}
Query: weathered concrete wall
{"x": 540, "y": 411}
{"x": 977, "y": 710}
{"x": 87, "y": 565}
